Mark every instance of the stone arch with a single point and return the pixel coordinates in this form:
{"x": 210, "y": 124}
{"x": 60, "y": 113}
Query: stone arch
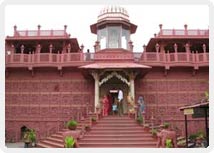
{"x": 117, "y": 75}
{"x": 22, "y": 131}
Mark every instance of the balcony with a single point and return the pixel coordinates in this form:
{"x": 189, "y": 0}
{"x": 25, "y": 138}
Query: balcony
{"x": 183, "y": 33}
{"x": 166, "y": 60}
{"x": 195, "y": 60}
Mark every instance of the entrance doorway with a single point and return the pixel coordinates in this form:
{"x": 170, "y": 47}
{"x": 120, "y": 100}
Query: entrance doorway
{"x": 110, "y": 88}
{"x": 23, "y": 129}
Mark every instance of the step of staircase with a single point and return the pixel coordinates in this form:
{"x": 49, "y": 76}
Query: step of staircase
{"x": 124, "y": 135}
{"x": 109, "y": 132}
{"x": 118, "y": 144}
{"x": 116, "y": 128}
{"x": 116, "y": 139}
{"x": 117, "y": 132}
{"x": 50, "y": 144}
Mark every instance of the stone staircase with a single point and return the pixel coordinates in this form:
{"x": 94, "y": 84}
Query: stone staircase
{"x": 56, "y": 141}
{"x": 109, "y": 132}
{"x": 117, "y": 132}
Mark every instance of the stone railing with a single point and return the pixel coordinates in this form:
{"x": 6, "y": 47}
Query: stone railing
{"x": 177, "y": 32}
{"x": 147, "y": 58}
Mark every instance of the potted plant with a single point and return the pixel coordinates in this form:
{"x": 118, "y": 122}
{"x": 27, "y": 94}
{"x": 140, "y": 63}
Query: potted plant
{"x": 72, "y": 125}
{"x": 32, "y": 137}
{"x": 69, "y": 142}
{"x": 94, "y": 120}
{"x": 87, "y": 127}
{"x": 169, "y": 143}
{"x": 199, "y": 138}
{"x": 154, "y": 133}
{"x": 166, "y": 125}
{"x": 140, "y": 120}
{"x": 193, "y": 137}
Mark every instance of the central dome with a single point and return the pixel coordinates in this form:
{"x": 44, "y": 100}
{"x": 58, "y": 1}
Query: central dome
{"x": 113, "y": 13}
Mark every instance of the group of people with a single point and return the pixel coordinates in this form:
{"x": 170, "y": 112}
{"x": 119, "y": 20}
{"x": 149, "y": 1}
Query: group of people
{"x": 116, "y": 106}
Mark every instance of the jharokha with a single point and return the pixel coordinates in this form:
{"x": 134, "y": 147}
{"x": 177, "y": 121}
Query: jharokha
{"x": 50, "y": 79}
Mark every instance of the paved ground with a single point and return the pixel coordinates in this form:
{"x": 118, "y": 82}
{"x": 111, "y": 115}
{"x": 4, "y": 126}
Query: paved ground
{"x": 15, "y": 145}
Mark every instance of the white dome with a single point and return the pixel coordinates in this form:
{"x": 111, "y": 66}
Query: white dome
{"x": 113, "y": 13}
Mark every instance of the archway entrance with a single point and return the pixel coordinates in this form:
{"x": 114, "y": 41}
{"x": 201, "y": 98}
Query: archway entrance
{"x": 23, "y": 129}
{"x": 110, "y": 83}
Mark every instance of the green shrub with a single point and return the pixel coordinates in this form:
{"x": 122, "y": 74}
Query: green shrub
{"x": 72, "y": 124}
{"x": 192, "y": 137}
{"x": 200, "y": 135}
{"x": 168, "y": 143}
{"x": 93, "y": 119}
{"x": 69, "y": 142}
{"x": 166, "y": 125}
{"x": 154, "y": 132}
{"x": 140, "y": 120}
{"x": 32, "y": 135}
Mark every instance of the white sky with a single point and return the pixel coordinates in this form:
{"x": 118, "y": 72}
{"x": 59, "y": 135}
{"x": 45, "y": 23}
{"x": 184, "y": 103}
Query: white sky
{"x": 78, "y": 18}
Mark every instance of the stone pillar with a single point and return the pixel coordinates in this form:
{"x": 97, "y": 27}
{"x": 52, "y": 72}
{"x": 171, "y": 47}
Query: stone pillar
{"x": 12, "y": 52}
{"x": 132, "y": 76}
{"x": 175, "y": 47}
{"x": 69, "y": 48}
{"x": 50, "y": 48}
{"x": 38, "y": 32}
{"x": 161, "y": 30}
{"x": 185, "y": 29}
{"x": 131, "y": 46}
{"x": 65, "y": 29}
{"x": 38, "y": 48}
{"x": 97, "y": 44}
{"x": 157, "y": 47}
{"x": 176, "y": 51}
{"x": 96, "y": 88}
{"x": 204, "y": 48}
{"x": 15, "y": 30}
{"x": 204, "y": 55}
{"x": 22, "y": 49}
{"x": 12, "y": 49}
{"x": 187, "y": 47}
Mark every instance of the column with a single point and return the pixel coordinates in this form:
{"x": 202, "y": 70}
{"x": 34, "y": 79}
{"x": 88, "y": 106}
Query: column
{"x": 96, "y": 88}
{"x": 38, "y": 32}
{"x": 50, "y": 51}
{"x": 157, "y": 47}
{"x": 176, "y": 51}
{"x": 187, "y": 48}
{"x": 204, "y": 55}
{"x": 38, "y": 51}
{"x": 132, "y": 76}
{"x": 50, "y": 48}
{"x": 22, "y": 53}
{"x": 161, "y": 30}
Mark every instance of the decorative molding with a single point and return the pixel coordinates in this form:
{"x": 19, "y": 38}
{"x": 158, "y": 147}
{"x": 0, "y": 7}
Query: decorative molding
{"x": 108, "y": 77}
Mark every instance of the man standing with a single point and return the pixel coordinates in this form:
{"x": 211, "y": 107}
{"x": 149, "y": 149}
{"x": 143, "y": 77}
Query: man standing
{"x": 120, "y": 102}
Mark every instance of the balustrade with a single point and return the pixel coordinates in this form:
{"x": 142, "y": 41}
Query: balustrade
{"x": 177, "y": 32}
{"x": 146, "y": 57}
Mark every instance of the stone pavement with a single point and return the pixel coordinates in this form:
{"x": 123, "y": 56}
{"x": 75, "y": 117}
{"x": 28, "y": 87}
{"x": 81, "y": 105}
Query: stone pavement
{"x": 15, "y": 145}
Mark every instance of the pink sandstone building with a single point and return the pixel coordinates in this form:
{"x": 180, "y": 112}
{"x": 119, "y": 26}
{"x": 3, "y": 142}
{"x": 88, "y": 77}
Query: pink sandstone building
{"x": 49, "y": 78}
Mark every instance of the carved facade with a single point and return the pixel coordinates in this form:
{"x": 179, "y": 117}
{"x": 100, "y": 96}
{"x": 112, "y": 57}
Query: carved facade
{"x": 49, "y": 79}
